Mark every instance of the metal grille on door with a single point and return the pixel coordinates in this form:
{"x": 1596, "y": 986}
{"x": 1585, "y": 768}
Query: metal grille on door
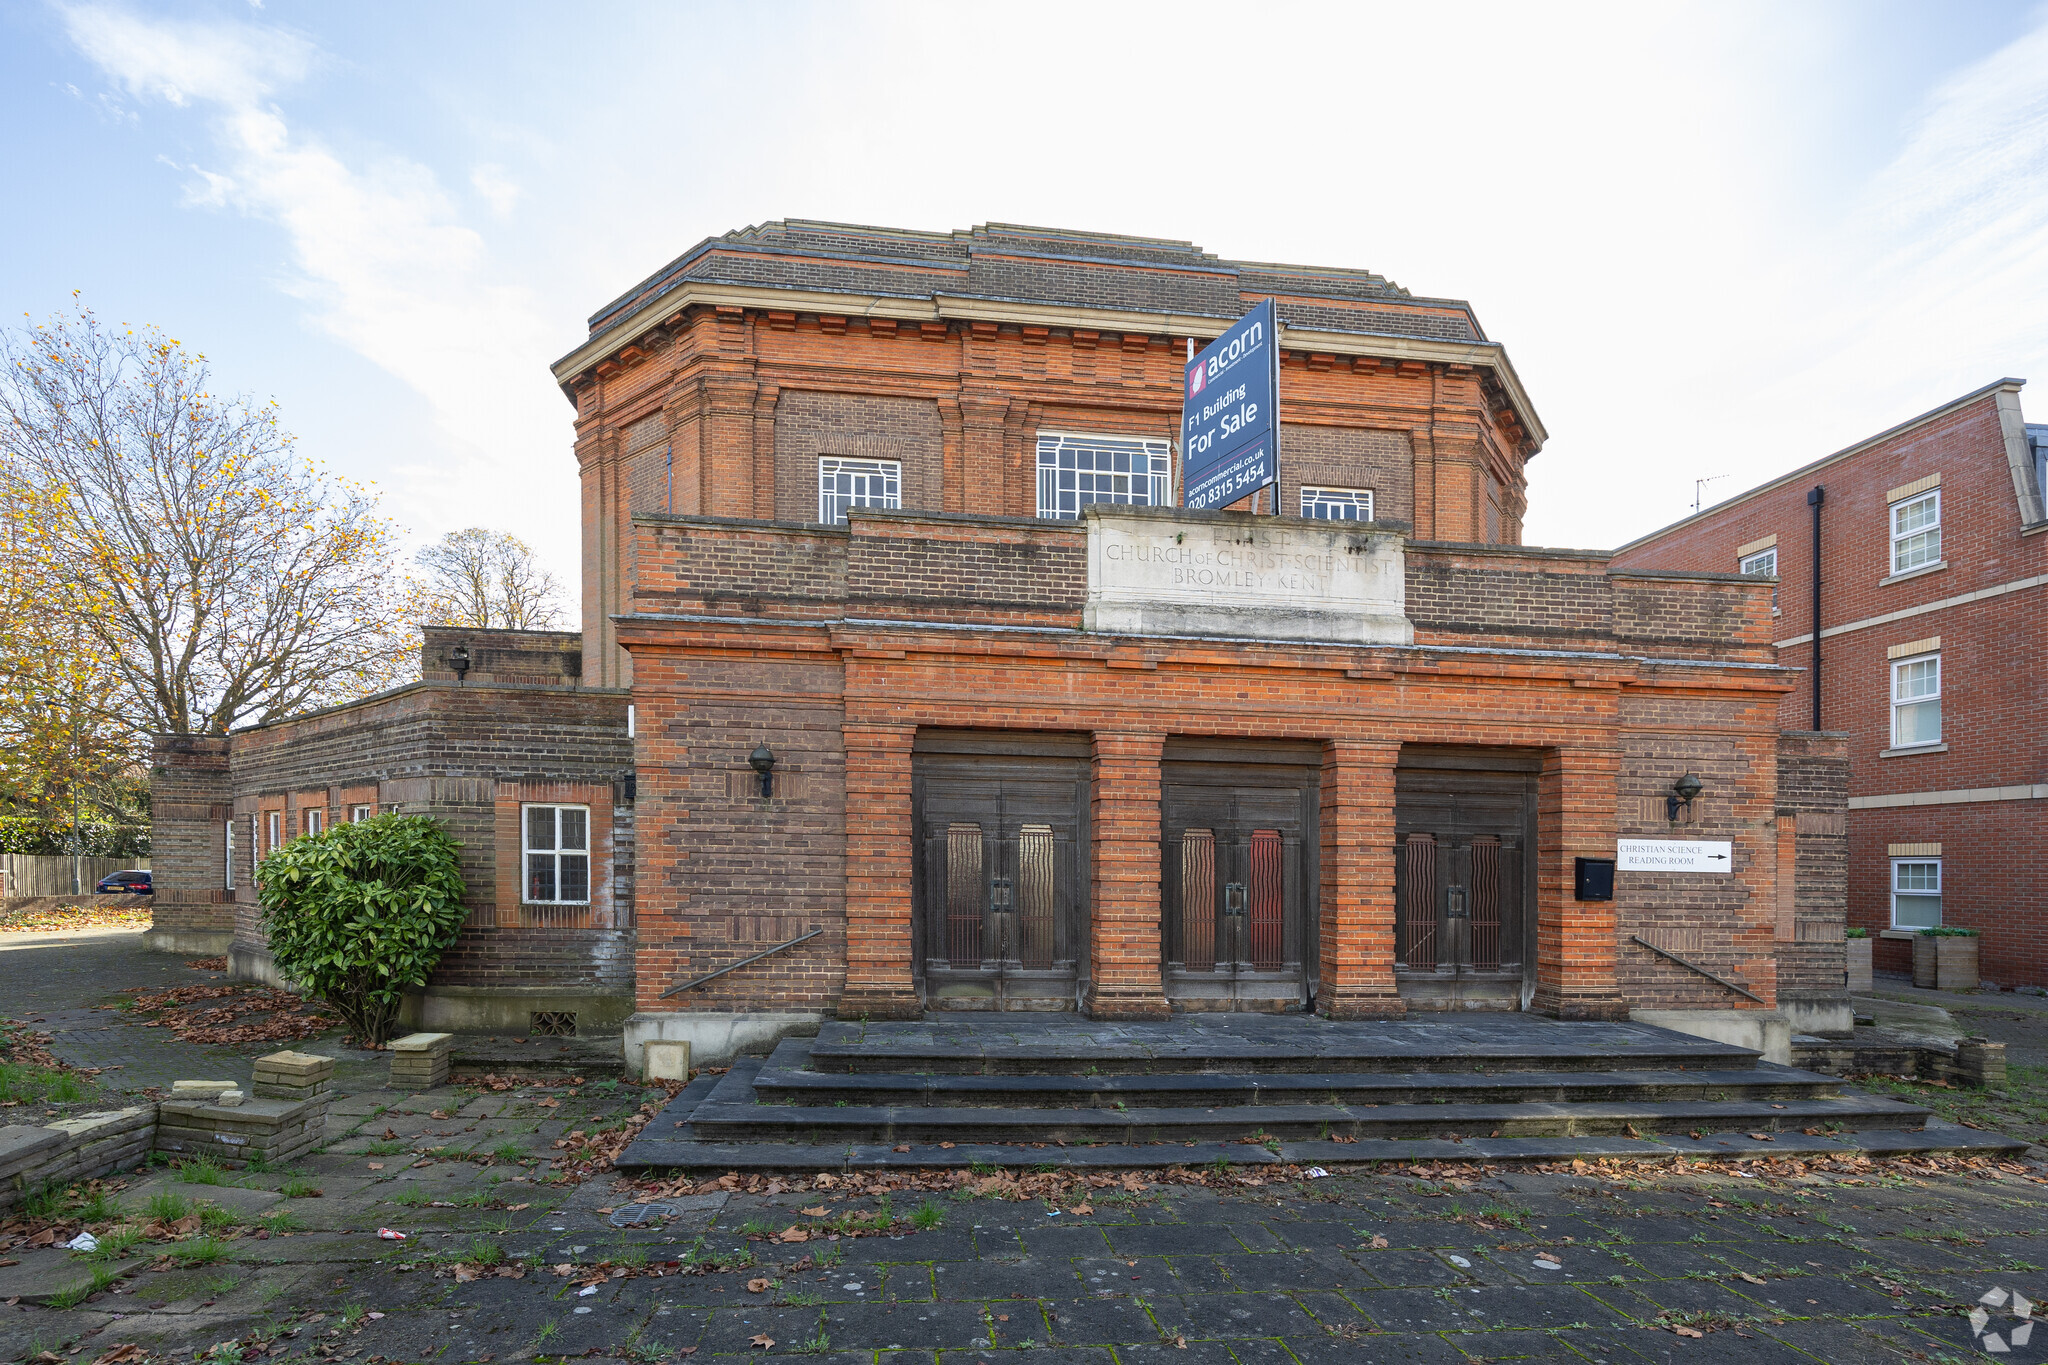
{"x": 1418, "y": 915}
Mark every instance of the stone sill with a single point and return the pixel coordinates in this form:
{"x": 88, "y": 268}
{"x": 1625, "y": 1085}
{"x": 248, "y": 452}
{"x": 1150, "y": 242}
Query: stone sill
{"x": 1907, "y": 935}
{"x": 1916, "y": 749}
{"x": 1936, "y": 567}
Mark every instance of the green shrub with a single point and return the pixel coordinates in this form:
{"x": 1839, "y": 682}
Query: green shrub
{"x": 1944, "y": 931}
{"x": 359, "y": 913}
{"x": 1854, "y": 932}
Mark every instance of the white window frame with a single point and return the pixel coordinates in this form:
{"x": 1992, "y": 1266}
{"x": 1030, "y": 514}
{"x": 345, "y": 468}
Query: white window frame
{"x": 359, "y": 813}
{"x": 1762, "y": 564}
{"x": 1314, "y": 498}
{"x": 1900, "y": 702}
{"x": 273, "y": 829}
{"x": 1936, "y": 892}
{"x": 313, "y": 819}
{"x": 1928, "y": 533}
{"x": 554, "y": 851}
{"x": 228, "y": 861}
{"x": 255, "y": 850}
{"x": 1062, "y": 456}
{"x": 833, "y": 501}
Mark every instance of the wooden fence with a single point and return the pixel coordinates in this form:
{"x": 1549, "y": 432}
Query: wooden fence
{"x": 36, "y": 874}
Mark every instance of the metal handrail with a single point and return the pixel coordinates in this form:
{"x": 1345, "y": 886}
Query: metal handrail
{"x": 743, "y": 962}
{"x": 1694, "y": 966}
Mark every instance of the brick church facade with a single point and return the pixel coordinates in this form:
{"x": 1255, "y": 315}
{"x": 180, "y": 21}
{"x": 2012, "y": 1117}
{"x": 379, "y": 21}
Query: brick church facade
{"x": 898, "y": 652}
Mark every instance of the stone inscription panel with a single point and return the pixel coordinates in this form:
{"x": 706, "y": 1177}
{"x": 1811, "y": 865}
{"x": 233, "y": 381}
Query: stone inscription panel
{"x": 1245, "y": 577}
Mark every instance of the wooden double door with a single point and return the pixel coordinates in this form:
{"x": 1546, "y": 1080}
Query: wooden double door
{"x": 1464, "y": 879}
{"x": 1238, "y": 879}
{"x": 1000, "y": 882}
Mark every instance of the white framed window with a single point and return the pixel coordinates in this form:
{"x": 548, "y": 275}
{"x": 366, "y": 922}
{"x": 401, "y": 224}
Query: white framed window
{"x": 557, "y": 848}
{"x": 1762, "y": 564}
{"x": 1337, "y": 504}
{"x": 358, "y": 814}
{"x": 273, "y": 829}
{"x": 316, "y": 820}
{"x": 1916, "y": 701}
{"x": 1075, "y": 470}
{"x": 1916, "y": 531}
{"x": 856, "y": 483}
{"x": 228, "y": 862}
{"x": 1916, "y": 893}
{"x": 255, "y": 851}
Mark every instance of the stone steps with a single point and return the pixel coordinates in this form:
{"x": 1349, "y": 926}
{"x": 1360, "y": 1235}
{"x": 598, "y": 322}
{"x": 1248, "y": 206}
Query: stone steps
{"x": 685, "y": 1154}
{"x": 781, "y": 1083}
{"x": 715, "y": 1121}
{"x": 1258, "y": 1091}
{"x": 1261, "y": 1044}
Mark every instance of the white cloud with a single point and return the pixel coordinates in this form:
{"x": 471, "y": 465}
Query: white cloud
{"x": 182, "y": 62}
{"x": 499, "y": 190}
{"x": 381, "y": 254}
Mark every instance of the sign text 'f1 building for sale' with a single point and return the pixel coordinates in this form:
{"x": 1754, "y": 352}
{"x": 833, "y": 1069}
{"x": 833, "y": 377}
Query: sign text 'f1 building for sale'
{"x": 1230, "y": 419}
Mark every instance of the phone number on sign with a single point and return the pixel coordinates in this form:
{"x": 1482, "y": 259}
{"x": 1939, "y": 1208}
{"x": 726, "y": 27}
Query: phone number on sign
{"x": 1232, "y": 483}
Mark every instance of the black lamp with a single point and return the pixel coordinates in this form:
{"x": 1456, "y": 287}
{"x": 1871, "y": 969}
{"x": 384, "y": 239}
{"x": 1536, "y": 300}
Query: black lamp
{"x": 458, "y": 659}
{"x": 762, "y": 760}
{"x": 1682, "y": 793}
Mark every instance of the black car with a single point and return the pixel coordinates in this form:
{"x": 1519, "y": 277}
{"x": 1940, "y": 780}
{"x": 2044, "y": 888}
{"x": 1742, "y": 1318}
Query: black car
{"x": 114, "y": 883}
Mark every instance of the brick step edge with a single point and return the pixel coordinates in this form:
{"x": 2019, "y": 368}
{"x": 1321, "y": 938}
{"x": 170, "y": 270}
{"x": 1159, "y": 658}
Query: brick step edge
{"x": 674, "y": 1154}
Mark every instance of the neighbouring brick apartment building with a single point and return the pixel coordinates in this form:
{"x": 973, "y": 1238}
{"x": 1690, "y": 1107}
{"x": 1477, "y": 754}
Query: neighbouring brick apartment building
{"x": 1932, "y": 585}
{"x": 897, "y": 651}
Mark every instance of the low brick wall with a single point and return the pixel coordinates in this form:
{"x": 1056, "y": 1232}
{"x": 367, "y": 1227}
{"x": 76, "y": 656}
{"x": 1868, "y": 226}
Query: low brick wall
{"x": 73, "y": 1149}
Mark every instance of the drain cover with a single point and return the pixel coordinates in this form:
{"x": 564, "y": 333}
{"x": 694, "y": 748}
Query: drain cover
{"x": 633, "y": 1214}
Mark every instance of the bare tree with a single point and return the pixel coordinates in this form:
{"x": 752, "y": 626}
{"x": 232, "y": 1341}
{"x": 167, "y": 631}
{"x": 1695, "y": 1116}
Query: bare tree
{"x": 486, "y": 579}
{"x": 221, "y": 578}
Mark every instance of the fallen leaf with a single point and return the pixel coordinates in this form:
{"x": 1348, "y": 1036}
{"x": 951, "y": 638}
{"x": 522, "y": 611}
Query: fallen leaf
{"x": 1761, "y": 1137}
{"x": 794, "y": 1234}
{"x": 122, "y": 1354}
{"x": 1745, "y": 1275}
{"x": 1081, "y": 1210}
{"x": 904, "y": 1148}
{"x": 757, "y": 1286}
{"x": 1685, "y": 1331}
{"x": 441, "y": 1114}
{"x": 818, "y": 1212}
{"x": 685, "y": 1350}
{"x": 376, "y": 1165}
{"x": 390, "y": 1136}
{"x": 375, "y": 1317}
{"x": 1378, "y": 1243}
{"x": 947, "y": 1146}
{"x": 762, "y": 1340}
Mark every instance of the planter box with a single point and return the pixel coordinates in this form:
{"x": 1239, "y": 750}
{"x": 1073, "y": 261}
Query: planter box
{"x": 1945, "y": 963}
{"x": 1859, "y": 965}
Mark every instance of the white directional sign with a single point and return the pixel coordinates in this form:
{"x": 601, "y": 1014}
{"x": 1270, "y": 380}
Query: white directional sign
{"x": 1674, "y": 855}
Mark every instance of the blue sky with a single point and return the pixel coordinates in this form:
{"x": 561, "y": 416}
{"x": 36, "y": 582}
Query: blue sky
{"x": 1716, "y": 240}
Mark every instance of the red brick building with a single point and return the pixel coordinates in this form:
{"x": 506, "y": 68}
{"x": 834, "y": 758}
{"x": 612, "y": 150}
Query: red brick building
{"x": 1933, "y": 594}
{"x": 937, "y": 701}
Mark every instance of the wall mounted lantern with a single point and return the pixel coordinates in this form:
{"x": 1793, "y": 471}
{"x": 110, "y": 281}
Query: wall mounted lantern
{"x": 458, "y": 659}
{"x": 762, "y": 760}
{"x": 1682, "y": 793}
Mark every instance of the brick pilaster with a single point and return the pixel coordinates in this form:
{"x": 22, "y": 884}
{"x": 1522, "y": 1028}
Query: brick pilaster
{"x": 880, "y": 839}
{"x": 1357, "y": 909}
{"x": 1576, "y": 944}
{"x": 1124, "y": 945}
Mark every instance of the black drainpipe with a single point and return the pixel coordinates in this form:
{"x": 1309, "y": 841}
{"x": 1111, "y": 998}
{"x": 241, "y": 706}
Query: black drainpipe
{"x": 1814, "y": 499}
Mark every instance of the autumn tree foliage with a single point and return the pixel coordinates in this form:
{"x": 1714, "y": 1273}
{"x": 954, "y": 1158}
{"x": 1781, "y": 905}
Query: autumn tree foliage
{"x": 174, "y": 565}
{"x": 486, "y": 579}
